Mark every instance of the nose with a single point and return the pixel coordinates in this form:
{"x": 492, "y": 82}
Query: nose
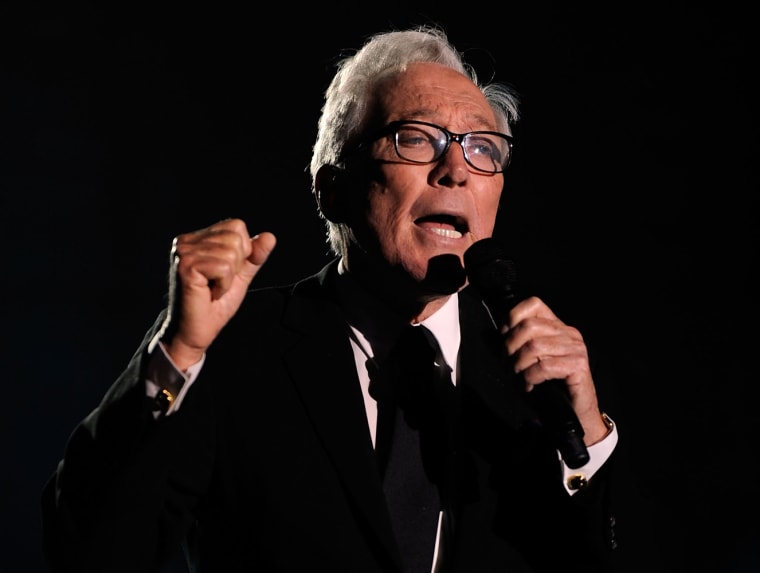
{"x": 451, "y": 167}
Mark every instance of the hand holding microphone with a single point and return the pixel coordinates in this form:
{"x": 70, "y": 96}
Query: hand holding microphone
{"x": 495, "y": 277}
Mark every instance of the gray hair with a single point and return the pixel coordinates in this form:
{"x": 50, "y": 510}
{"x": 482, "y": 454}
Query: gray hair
{"x": 350, "y": 96}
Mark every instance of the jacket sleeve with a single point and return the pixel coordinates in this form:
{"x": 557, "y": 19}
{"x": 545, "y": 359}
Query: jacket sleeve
{"x": 122, "y": 498}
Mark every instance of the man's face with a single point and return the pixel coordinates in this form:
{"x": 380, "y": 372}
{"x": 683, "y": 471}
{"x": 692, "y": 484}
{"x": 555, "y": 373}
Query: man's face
{"x": 417, "y": 211}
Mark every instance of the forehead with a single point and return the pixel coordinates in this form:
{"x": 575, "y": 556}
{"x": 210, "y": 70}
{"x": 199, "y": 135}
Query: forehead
{"x": 435, "y": 93}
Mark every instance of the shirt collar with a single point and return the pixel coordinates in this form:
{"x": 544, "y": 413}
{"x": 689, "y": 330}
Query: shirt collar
{"x": 380, "y": 327}
{"x": 444, "y": 324}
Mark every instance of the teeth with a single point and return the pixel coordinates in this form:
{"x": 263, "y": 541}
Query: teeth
{"x": 448, "y": 233}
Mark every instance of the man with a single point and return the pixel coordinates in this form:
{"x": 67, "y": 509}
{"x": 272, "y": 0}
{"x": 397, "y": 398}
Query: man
{"x": 247, "y": 427}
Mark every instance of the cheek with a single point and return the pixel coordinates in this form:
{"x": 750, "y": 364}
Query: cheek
{"x": 488, "y": 202}
{"x": 384, "y": 212}
{"x": 381, "y": 215}
{"x": 389, "y": 203}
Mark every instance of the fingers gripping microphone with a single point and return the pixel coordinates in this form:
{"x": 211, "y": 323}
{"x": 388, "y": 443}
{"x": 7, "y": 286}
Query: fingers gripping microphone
{"x": 495, "y": 277}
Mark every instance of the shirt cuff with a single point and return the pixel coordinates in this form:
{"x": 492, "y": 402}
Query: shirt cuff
{"x": 165, "y": 382}
{"x": 576, "y": 479}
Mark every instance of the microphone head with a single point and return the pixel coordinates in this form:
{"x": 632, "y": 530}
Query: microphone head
{"x": 445, "y": 274}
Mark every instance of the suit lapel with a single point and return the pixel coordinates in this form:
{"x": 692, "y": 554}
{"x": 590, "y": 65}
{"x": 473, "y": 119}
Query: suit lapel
{"x": 321, "y": 364}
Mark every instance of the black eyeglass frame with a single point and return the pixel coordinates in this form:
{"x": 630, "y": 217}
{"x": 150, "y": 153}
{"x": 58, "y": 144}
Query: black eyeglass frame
{"x": 392, "y": 129}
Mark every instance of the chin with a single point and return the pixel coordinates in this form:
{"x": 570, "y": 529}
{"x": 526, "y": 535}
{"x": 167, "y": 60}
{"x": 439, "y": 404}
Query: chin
{"x": 416, "y": 272}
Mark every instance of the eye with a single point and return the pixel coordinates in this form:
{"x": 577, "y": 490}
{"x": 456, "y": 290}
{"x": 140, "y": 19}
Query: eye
{"x": 409, "y": 137}
{"x": 484, "y": 146}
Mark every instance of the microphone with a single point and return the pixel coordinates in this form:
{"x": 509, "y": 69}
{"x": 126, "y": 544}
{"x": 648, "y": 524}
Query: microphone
{"x": 445, "y": 274}
{"x": 495, "y": 277}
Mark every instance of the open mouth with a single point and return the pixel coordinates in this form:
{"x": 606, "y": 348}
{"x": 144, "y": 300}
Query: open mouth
{"x": 448, "y": 226}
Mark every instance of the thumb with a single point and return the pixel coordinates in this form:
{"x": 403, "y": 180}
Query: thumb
{"x": 261, "y": 247}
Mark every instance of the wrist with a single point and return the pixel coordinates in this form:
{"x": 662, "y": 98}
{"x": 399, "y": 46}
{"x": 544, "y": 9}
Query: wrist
{"x": 182, "y": 355}
{"x": 599, "y": 429}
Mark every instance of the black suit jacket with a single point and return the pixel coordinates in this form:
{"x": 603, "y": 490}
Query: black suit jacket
{"x": 269, "y": 466}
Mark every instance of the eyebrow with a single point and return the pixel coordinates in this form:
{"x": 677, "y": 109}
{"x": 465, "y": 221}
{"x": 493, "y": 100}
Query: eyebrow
{"x": 433, "y": 117}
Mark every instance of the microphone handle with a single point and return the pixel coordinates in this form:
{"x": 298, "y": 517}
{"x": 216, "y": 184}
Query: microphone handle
{"x": 551, "y": 402}
{"x": 549, "y": 399}
{"x": 495, "y": 276}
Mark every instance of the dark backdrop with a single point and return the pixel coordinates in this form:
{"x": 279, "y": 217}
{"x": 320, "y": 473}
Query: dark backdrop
{"x": 631, "y": 205}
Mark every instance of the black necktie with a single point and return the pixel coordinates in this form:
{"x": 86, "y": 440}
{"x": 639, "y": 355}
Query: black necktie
{"x": 413, "y": 439}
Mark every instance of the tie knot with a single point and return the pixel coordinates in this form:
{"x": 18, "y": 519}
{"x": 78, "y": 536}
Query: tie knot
{"x": 409, "y": 371}
{"x": 416, "y": 348}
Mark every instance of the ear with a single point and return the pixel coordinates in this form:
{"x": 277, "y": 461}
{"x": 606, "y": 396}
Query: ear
{"x": 329, "y": 188}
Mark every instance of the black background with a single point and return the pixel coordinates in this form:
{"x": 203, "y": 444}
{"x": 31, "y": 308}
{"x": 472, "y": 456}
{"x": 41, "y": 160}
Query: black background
{"x": 631, "y": 205}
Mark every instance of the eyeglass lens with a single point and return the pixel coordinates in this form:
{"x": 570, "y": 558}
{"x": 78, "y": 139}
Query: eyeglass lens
{"x": 426, "y": 143}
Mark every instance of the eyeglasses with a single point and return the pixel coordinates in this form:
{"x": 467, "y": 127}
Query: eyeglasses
{"x": 423, "y": 142}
